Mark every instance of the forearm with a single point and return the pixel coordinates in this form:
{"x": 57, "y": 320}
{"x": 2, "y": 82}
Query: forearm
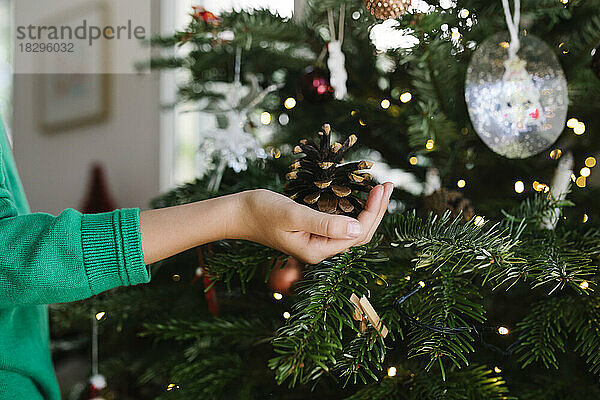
{"x": 168, "y": 231}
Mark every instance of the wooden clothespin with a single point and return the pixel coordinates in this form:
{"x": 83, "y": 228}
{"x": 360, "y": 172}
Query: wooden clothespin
{"x": 363, "y": 311}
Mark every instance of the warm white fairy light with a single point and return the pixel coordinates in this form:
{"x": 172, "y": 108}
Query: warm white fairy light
{"x": 585, "y": 218}
{"x": 172, "y": 386}
{"x": 479, "y": 220}
{"x": 277, "y": 296}
{"x": 289, "y": 103}
{"x": 572, "y": 123}
{"x": 579, "y": 128}
{"x": 580, "y": 181}
{"x": 461, "y": 183}
{"x": 405, "y": 97}
{"x": 590, "y": 162}
{"x": 429, "y": 145}
{"x": 100, "y": 315}
{"x": 584, "y": 285}
{"x": 519, "y": 186}
{"x": 265, "y": 118}
{"x": 555, "y": 154}
{"x": 286, "y": 315}
{"x": 421, "y": 283}
{"x": 413, "y": 160}
{"x": 385, "y": 103}
{"x": 585, "y": 171}
{"x": 497, "y": 370}
{"x": 503, "y": 330}
{"x": 392, "y": 371}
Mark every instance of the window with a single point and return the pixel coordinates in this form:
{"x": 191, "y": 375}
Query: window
{"x": 181, "y": 131}
{"x": 5, "y": 62}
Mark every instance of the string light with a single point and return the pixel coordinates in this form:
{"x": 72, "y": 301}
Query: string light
{"x": 479, "y": 220}
{"x": 456, "y": 36}
{"x": 585, "y": 171}
{"x": 289, "y": 103}
{"x": 503, "y": 330}
{"x": 275, "y": 152}
{"x": 405, "y": 97}
{"x": 265, "y": 118}
{"x": 590, "y": 162}
{"x": 579, "y": 128}
{"x": 580, "y": 181}
{"x": 585, "y": 218}
{"x": 572, "y": 123}
{"x": 172, "y": 386}
{"x": 584, "y": 285}
{"x": 497, "y": 370}
{"x": 407, "y": 277}
{"x": 422, "y": 284}
{"x": 284, "y": 119}
{"x": 176, "y": 278}
{"x": 461, "y": 183}
{"x": 391, "y": 371}
{"x": 564, "y": 50}
{"x": 286, "y": 315}
{"x": 429, "y": 144}
{"x": 100, "y": 315}
{"x": 385, "y": 103}
{"x": 413, "y": 160}
{"x": 361, "y": 122}
{"x": 519, "y": 187}
{"x": 277, "y": 296}
{"x": 555, "y": 154}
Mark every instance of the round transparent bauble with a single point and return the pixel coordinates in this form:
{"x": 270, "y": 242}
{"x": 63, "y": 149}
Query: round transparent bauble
{"x": 518, "y": 107}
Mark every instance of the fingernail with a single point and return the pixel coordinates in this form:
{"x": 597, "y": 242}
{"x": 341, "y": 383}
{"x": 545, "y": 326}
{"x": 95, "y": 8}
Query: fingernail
{"x": 353, "y": 229}
{"x": 390, "y": 190}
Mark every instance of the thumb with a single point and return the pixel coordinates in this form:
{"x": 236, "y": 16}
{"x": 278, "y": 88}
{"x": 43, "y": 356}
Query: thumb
{"x": 331, "y": 226}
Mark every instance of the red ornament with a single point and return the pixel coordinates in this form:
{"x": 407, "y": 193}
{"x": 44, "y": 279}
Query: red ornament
{"x": 200, "y": 14}
{"x": 211, "y": 294}
{"x": 315, "y": 84}
{"x": 282, "y": 278}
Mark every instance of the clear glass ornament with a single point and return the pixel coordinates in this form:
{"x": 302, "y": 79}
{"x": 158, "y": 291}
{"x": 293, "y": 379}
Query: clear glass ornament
{"x": 518, "y": 107}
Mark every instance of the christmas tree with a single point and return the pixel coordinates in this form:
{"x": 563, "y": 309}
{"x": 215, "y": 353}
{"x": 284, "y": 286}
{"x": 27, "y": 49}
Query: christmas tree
{"x": 481, "y": 283}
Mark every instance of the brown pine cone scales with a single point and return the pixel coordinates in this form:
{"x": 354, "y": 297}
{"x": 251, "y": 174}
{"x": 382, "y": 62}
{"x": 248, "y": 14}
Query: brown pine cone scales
{"x": 320, "y": 181}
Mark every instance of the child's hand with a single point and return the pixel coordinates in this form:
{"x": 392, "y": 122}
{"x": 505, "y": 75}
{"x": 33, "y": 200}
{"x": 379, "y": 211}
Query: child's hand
{"x": 308, "y": 235}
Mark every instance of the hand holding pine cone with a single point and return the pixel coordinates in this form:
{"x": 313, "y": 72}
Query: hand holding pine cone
{"x": 320, "y": 181}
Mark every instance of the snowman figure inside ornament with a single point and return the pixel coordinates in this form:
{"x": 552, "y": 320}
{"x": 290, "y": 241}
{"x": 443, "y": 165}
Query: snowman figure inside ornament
{"x": 516, "y": 91}
{"x": 522, "y": 108}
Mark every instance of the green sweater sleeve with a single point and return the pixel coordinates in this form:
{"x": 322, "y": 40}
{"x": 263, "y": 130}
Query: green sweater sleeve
{"x": 52, "y": 259}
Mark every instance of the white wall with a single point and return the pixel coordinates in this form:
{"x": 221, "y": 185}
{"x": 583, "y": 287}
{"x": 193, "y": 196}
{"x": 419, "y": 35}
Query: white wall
{"x": 54, "y": 167}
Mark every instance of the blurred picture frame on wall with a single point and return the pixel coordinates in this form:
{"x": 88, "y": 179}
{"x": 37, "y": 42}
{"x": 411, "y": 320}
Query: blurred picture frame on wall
{"x": 68, "y": 101}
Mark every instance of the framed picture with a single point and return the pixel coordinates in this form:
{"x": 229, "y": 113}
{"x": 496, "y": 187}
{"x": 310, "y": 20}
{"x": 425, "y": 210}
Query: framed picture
{"x": 67, "y": 101}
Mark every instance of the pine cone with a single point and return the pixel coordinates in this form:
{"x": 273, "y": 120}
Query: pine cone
{"x": 444, "y": 200}
{"x": 320, "y": 181}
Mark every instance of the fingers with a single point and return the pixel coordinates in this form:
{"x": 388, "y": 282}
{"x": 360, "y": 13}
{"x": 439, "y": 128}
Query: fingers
{"x": 332, "y": 234}
{"x": 388, "y": 188}
{"x": 329, "y": 226}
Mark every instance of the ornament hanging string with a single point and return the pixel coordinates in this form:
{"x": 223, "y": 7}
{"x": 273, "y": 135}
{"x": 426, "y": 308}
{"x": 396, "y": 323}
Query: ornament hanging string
{"x": 340, "y": 36}
{"x": 337, "y": 61}
{"x": 512, "y": 21}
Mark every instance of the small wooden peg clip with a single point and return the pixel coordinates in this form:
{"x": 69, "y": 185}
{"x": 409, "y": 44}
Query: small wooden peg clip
{"x": 363, "y": 310}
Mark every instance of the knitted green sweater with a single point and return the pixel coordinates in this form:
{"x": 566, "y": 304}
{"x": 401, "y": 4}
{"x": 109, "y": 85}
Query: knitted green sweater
{"x": 52, "y": 259}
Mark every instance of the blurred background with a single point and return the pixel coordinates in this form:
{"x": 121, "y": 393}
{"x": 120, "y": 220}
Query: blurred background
{"x": 143, "y": 147}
